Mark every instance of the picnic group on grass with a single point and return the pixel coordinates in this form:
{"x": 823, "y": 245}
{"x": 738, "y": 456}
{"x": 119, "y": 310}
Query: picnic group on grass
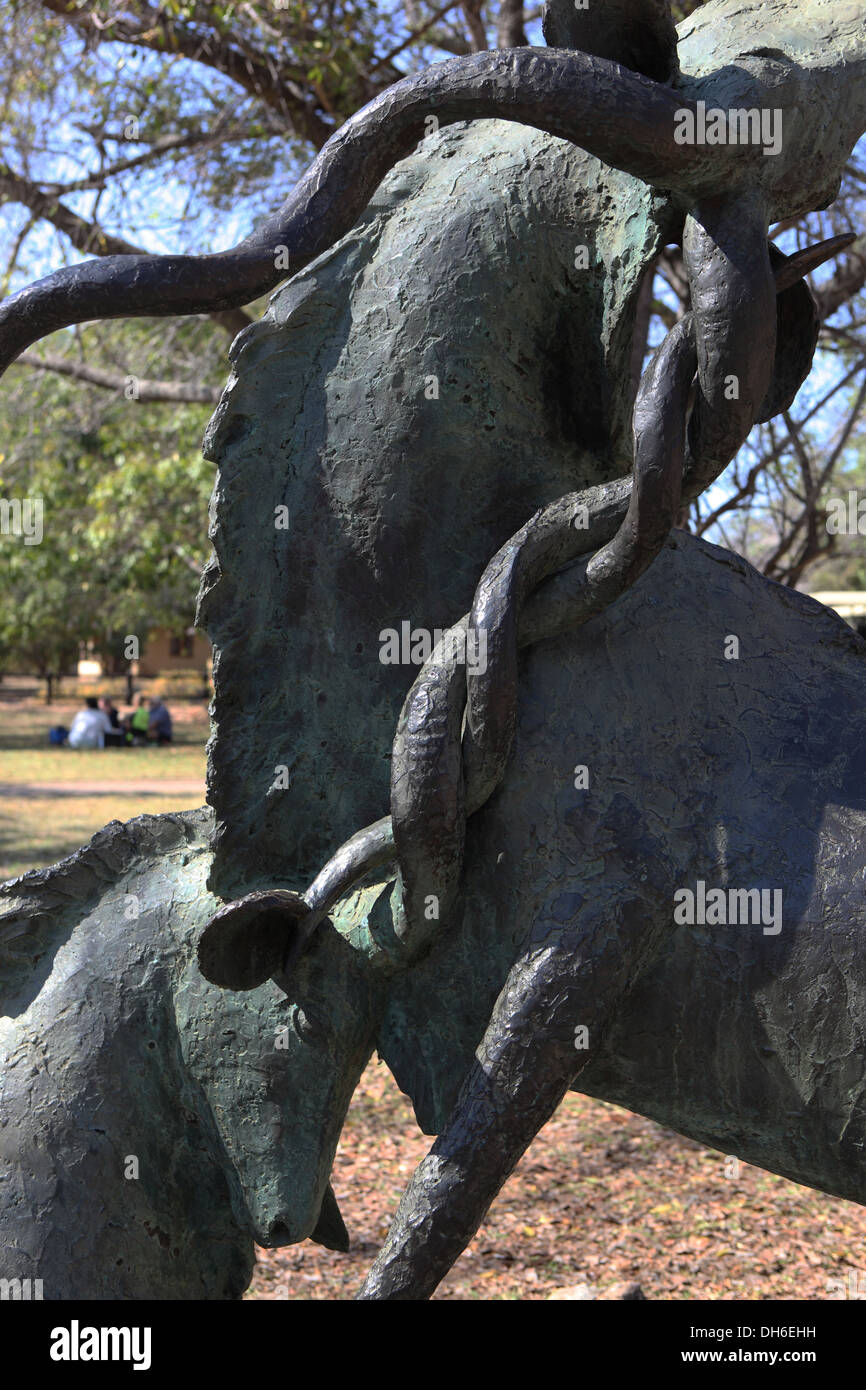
{"x": 100, "y": 725}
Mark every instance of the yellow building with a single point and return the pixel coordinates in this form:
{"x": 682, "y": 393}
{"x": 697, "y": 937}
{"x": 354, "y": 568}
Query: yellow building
{"x": 850, "y": 604}
{"x": 164, "y": 652}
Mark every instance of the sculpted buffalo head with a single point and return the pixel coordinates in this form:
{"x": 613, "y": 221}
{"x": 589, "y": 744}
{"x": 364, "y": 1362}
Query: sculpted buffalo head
{"x": 294, "y": 1025}
{"x": 176, "y": 1121}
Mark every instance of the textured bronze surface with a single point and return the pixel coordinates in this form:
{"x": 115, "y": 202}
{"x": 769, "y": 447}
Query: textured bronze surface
{"x": 500, "y": 907}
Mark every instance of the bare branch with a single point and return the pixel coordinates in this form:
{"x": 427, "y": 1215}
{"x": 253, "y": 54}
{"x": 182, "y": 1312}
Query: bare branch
{"x": 15, "y": 253}
{"x": 257, "y": 73}
{"x": 164, "y": 145}
{"x": 806, "y": 514}
{"x": 190, "y": 563}
{"x": 145, "y": 390}
{"x": 510, "y": 30}
{"x": 89, "y": 238}
{"x": 845, "y": 283}
{"x": 475, "y": 25}
{"x": 643, "y": 314}
{"x": 413, "y": 35}
{"x": 670, "y": 263}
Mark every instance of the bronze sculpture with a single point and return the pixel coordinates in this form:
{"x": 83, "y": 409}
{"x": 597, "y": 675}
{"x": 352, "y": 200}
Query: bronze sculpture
{"x": 434, "y": 962}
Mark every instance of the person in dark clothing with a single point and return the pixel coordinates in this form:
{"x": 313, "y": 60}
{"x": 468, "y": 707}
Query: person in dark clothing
{"x": 115, "y": 737}
{"x": 159, "y": 727}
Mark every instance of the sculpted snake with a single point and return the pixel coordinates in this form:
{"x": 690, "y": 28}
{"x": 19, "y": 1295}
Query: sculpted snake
{"x": 455, "y": 730}
{"x": 457, "y": 724}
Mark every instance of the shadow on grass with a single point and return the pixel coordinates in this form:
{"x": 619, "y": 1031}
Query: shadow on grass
{"x": 28, "y": 791}
{"x": 34, "y": 736}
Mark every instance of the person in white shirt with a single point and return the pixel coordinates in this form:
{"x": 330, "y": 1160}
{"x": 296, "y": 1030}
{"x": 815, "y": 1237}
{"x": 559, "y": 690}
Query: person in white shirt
{"x": 89, "y": 727}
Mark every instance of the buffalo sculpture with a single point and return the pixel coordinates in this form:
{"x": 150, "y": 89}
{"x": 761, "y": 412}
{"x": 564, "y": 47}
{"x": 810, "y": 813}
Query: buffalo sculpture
{"x": 624, "y": 853}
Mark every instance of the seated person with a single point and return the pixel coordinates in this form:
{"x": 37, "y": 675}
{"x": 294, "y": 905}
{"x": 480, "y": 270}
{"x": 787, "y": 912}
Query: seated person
{"x": 160, "y": 722}
{"x": 138, "y": 722}
{"x": 89, "y": 726}
{"x": 116, "y": 738}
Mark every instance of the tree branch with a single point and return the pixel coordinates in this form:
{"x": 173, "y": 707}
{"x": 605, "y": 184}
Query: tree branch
{"x": 450, "y": 41}
{"x": 145, "y": 390}
{"x": 475, "y": 25}
{"x": 412, "y": 36}
{"x": 826, "y": 473}
{"x": 670, "y": 263}
{"x": 510, "y": 31}
{"x": 847, "y": 282}
{"x": 257, "y": 73}
{"x": 88, "y": 238}
{"x": 164, "y": 145}
{"x": 190, "y": 563}
{"x": 19, "y": 241}
{"x": 643, "y": 313}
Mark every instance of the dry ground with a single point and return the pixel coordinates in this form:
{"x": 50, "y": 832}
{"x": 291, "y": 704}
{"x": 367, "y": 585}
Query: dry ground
{"x": 602, "y": 1196}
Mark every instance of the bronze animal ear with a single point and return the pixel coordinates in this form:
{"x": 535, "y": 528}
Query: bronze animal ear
{"x": 248, "y": 941}
{"x": 638, "y": 34}
{"x": 330, "y": 1228}
{"x": 797, "y": 321}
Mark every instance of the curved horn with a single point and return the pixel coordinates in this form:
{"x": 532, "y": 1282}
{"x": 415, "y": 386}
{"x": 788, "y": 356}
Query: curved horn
{"x": 262, "y": 934}
{"x": 623, "y": 118}
{"x": 247, "y": 942}
{"x": 797, "y": 323}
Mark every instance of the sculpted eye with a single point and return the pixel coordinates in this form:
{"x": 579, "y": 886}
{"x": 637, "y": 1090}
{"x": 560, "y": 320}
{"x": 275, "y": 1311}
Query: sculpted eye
{"x": 303, "y": 1024}
{"x": 772, "y": 53}
{"x": 311, "y": 1025}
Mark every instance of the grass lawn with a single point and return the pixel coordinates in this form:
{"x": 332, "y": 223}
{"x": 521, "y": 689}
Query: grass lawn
{"x": 41, "y": 821}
